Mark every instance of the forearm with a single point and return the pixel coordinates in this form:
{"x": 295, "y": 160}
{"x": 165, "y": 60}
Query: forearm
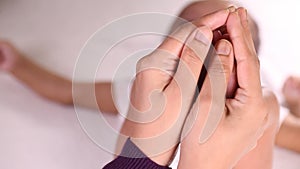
{"x": 43, "y": 82}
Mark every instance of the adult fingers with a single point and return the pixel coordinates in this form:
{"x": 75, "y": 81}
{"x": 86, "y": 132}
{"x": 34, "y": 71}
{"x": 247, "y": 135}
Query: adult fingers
{"x": 175, "y": 42}
{"x": 188, "y": 71}
{"x": 242, "y": 12}
{"x": 247, "y": 62}
{"x": 219, "y": 71}
{"x": 171, "y": 49}
{"x": 192, "y": 59}
{"x": 212, "y": 94}
{"x": 193, "y": 55}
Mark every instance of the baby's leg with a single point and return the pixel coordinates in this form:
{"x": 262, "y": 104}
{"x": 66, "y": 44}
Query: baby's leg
{"x": 289, "y": 134}
{"x": 261, "y": 157}
{"x": 291, "y": 92}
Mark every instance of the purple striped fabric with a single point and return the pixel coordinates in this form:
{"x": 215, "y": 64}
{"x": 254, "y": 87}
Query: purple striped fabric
{"x": 132, "y": 157}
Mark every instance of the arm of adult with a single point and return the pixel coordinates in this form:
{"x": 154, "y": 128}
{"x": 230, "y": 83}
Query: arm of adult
{"x": 164, "y": 89}
{"x": 245, "y": 116}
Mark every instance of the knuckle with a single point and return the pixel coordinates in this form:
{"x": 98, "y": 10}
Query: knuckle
{"x": 236, "y": 36}
{"x": 182, "y": 32}
{"x": 141, "y": 64}
{"x": 191, "y": 57}
{"x": 272, "y": 103}
{"x": 254, "y": 61}
{"x": 220, "y": 71}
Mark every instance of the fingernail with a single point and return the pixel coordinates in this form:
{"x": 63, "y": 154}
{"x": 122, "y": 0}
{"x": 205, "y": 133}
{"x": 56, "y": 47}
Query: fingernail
{"x": 231, "y": 9}
{"x": 200, "y": 35}
{"x": 223, "y": 48}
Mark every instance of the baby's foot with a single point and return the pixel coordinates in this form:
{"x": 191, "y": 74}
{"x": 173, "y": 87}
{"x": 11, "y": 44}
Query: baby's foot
{"x": 291, "y": 92}
{"x": 8, "y": 56}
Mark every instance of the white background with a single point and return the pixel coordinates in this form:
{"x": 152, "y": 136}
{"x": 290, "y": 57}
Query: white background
{"x": 36, "y": 133}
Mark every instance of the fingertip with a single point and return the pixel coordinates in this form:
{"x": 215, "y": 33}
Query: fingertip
{"x": 233, "y": 25}
{"x": 214, "y": 20}
{"x": 224, "y": 50}
{"x": 223, "y": 47}
{"x": 233, "y": 18}
{"x": 243, "y": 14}
{"x": 231, "y": 9}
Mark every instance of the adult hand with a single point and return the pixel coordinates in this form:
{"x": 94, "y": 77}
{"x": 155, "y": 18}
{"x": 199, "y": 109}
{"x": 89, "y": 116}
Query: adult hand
{"x": 165, "y": 85}
{"x": 244, "y": 117}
